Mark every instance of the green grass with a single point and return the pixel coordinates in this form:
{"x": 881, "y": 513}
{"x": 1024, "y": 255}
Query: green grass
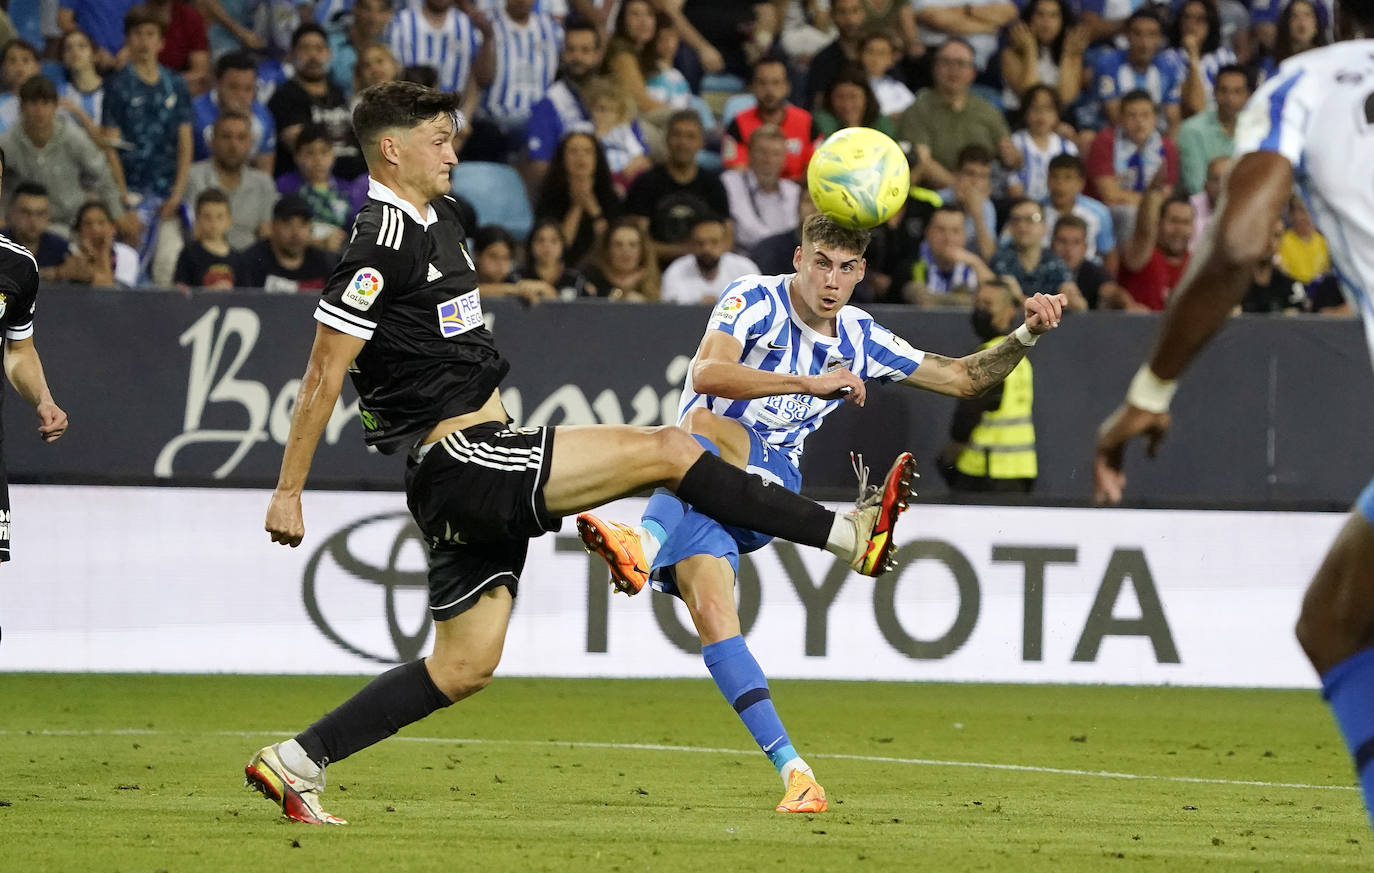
{"x": 144, "y": 773}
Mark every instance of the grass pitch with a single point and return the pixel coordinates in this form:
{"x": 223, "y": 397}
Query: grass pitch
{"x": 144, "y": 773}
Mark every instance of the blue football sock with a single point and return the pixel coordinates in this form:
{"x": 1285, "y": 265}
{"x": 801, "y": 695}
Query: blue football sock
{"x": 741, "y": 680}
{"x": 665, "y": 510}
{"x": 1349, "y": 688}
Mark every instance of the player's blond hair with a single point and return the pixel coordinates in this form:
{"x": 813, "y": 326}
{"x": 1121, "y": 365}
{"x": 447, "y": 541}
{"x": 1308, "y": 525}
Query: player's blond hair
{"x": 821, "y": 229}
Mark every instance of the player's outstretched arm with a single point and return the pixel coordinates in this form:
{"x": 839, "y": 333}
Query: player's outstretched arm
{"x": 718, "y": 372}
{"x": 25, "y": 372}
{"x": 973, "y": 374}
{"x": 330, "y": 356}
{"x": 1214, "y": 284}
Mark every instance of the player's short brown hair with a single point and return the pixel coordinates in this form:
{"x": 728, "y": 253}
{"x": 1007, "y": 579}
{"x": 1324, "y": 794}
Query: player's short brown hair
{"x": 400, "y": 105}
{"x": 823, "y": 230}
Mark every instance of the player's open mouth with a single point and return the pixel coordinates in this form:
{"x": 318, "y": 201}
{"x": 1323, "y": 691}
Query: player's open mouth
{"x": 829, "y": 302}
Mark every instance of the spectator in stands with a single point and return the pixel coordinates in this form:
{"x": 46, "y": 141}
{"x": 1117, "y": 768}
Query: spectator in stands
{"x": 850, "y": 19}
{"x": 1105, "y": 20}
{"x": 148, "y": 111}
{"x": 664, "y": 82}
{"x": 493, "y": 249}
{"x": 762, "y": 202}
{"x": 1144, "y": 65}
{"x": 1271, "y": 289}
{"x": 1095, "y": 284}
{"x": 1124, "y": 158}
{"x": 631, "y": 54}
{"x": 367, "y": 27}
{"x": 375, "y": 65}
{"x": 972, "y": 192}
{"x": 545, "y": 262}
{"x": 1156, "y": 254}
{"x": 1210, "y": 134}
{"x": 770, "y": 86}
{"x": 976, "y": 24}
{"x": 1044, "y": 48}
{"x": 563, "y": 106}
{"x": 1027, "y": 259}
{"x": 947, "y": 117}
{"x": 623, "y": 266}
{"x": 185, "y": 44}
{"x": 27, "y": 220}
{"x": 236, "y": 85}
{"x": 1038, "y": 144}
{"x": 1303, "y": 253}
{"x": 669, "y": 197}
{"x": 286, "y": 261}
{"x": 1196, "y": 36}
{"x": 1299, "y": 29}
{"x": 727, "y": 35}
{"x": 98, "y": 259}
{"x": 436, "y": 34}
{"x": 579, "y": 193}
{"x": 877, "y": 56}
{"x": 945, "y": 273}
{"x": 701, "y": 276}
{"x": 310, "y": 96}
{"x": 103, "y": 20}
{"x": 1067, "y": 178}
{"x": 850, "y": 102}
{"x": 1205, "y": 201}
{"x": 83, "y": 93}
{"x": 251, "y": 192}
{"x": 333, "y": 201}
{"x": 18, "y": 64}
{"x": 622, "y": 141}
{"x": 526, "y": 46}
{"x": 208, "y": 261}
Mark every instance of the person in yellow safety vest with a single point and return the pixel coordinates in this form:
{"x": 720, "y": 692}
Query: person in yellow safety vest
{"x": 992, "y": 437}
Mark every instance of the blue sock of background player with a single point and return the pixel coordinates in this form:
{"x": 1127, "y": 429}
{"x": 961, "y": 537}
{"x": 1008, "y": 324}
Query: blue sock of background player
{"x": 664, "y": 512}
{"x": 1349, "y": 688}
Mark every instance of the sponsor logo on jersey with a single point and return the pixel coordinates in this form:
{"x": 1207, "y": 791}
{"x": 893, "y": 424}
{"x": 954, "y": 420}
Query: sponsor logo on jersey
{"x": 728, "y": 309}
{"x": 363, "y": 288}
{"x": 460, "y": 314}
{"x": 433, "y": 275}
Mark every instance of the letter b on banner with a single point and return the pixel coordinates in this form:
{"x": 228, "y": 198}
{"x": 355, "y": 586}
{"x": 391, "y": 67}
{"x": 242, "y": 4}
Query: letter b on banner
{"x": 885, "y": 601}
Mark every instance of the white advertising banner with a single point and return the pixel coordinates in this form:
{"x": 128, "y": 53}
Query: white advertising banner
{"x": 185, "y": 580}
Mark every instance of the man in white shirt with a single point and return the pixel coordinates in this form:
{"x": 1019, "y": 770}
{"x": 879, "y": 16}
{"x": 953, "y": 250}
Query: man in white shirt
{"x": 701, "y": 276}
{"x": 762, "y": 202}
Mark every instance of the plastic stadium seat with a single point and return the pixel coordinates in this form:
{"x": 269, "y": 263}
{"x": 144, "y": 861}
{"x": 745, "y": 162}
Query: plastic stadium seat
{"x": 498, "y": 194}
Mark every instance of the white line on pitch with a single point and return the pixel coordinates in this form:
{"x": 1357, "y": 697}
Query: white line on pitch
{"x": 654, "y": 747}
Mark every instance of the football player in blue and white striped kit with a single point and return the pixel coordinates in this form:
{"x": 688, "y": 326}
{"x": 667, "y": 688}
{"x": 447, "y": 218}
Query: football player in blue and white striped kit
{"x": 780, "y": 354}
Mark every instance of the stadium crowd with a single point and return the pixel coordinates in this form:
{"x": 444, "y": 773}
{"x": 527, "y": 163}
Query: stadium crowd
{"x": 650, "y": 149}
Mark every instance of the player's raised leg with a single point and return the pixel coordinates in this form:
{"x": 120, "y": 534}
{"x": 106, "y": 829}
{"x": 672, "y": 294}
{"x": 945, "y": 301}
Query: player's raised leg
{"x": 1336, "y": 630}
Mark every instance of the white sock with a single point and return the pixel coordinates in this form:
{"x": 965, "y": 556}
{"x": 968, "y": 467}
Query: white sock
{"x": 794, "y": 764}
{"x": 649, "y": 543}
{"x": 296, "y": 760}
{"x": 844, "y": 536}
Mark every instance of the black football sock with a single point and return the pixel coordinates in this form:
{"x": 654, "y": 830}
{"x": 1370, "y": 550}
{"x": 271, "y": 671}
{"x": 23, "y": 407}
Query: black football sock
{"x": 385, "y": 705}
{"x": 732, "y": 496}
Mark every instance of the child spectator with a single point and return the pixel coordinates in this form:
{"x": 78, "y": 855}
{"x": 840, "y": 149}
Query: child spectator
{"x": 627, "y": 154}
{"x": 1038, "y": 144}
{"x": 207, "y": 261}
{"x": 83, "y": 94}
{"x": 665, "y": 83}
{"x": 877, "y": 55}
{"x": 331, "y": 199}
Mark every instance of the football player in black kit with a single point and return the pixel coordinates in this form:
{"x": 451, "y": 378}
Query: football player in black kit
{"x": 18, "y": 295}
{"x": 401, "y": 314}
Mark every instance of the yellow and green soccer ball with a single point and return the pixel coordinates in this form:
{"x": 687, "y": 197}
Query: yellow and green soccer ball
{"x": 859, "y": 177}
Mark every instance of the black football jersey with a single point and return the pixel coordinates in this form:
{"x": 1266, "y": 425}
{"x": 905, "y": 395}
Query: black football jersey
{"x": 408, "y": 286}
{"x": 18, "y": 292}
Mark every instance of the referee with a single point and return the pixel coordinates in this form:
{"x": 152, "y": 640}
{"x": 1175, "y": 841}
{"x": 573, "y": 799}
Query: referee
{"x": 402, "y": 315}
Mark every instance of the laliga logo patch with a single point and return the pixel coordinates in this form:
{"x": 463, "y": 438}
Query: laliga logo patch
{"x": 460, "y": 314}
{"x": 363, "y": 288}
{"x": 728, "y": 309}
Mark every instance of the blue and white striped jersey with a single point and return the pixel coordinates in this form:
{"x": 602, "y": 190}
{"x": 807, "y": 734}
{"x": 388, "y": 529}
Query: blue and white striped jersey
{"x": 527, "y": 58}
{"x": 757, "y": 311}
{"x": 450, "y": 48}
{"x": 1034, "y": 175}
{"x": 1318, "y": 112}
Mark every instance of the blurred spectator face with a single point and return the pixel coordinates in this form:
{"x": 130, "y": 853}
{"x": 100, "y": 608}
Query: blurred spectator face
{"x": 378, "y": 65}
{"x": 708, "y": 244}
{"x": 1302, "y": 23}
{"x": 1071, "y": 245}
{"x": 1138, "y": 120}
{"x": 581, "y": 57}
{"x": 1217, "y": 169}
{"x": 579, "y": 155}
{"x": 311, "y": 57}
{"x": 608, "y": 113}
{"x": 954, "y": 69}
{"x": 1231, "y": 92}
{"x": 20, "y": 64}
{"x": 849, "y": 17}
{"x": 640, "y": 23}
{"x": 766, "y": 157}
{"x": 236, "y": 90}
{"x": 77, "y": 51}
{"x": 494, "y": 262}
{"x": 1046, "y": 21}
{"x": 1300, "y": 218}
{"x": 1193, "y": 20}
{"x": 37, "y": 117}
{"x": 316, "y": 161}
{"x": 1027, "y": 225}
{"x": 976, "y": 176}
{"x": 96, "y": 231}
{"x": 29, "y": 216}
{"x": 231, "y": 139}
{"x": 684, "y": 140}
{"x": 945, "y": 233}
{"x": 213, "y": 221}
{"x": 770, "y": 85}
{"x": 1176, "y": 229}
{"x": 144, "y": 42}
{"x": 371, "y": 18}
{"x": 848, "y": 101}
{"x": 290, "y": 236}
{"x": 1064, "y": 186}
{"x": 1142, "y": 41}
{"x": 667, "y": 42}
{"x": 546, "y": 246}
{"x": 1041, "y": 115}
{"x": 877, "y": 56}
{"x": 996, "y": 301}
{"x": 519, "y": 9}
{"x": 626, "y": 252}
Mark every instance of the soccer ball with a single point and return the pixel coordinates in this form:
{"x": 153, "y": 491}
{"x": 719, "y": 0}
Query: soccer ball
{"x": 859, "y": 177}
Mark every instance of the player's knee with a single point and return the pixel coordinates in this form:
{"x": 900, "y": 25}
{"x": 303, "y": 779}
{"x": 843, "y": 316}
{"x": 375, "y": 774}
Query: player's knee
{"x": 676, "y": 449}
{"x": 461, "y": 679}
{"x": 700, "y": 421}
{"x": 1337, "y": 617}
